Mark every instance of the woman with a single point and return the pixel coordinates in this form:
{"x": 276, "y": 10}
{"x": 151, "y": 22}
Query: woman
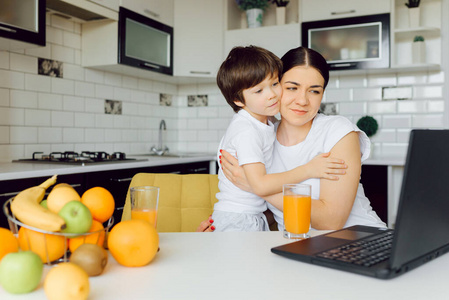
{"x": 303, "y": 133}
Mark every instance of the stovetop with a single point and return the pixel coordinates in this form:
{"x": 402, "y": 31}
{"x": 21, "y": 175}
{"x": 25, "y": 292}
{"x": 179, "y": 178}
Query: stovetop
{"x": 75, "y": 158}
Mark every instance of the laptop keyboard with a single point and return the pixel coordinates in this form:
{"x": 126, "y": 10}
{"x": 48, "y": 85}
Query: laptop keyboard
{"x": 363, "y": 252}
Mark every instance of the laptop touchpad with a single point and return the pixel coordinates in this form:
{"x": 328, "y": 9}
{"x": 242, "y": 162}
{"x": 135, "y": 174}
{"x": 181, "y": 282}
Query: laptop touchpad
{"x": 349, "y": 234}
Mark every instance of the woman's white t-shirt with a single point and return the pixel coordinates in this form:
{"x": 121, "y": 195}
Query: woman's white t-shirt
{"x": 324, "y": 134}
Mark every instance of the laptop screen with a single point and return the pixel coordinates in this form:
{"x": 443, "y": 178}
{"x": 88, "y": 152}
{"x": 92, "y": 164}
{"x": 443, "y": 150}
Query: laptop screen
{"x": 422, "y": 226}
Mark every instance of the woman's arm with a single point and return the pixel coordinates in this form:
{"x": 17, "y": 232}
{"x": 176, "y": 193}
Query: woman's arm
{"x": 332, "y": 210}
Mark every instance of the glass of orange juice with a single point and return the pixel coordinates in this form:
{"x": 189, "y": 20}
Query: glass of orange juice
{"x": 144, "y": 201}
{"x": 297, "y": 210}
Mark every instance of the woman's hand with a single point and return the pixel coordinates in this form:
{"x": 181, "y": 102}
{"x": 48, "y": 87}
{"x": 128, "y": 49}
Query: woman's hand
{"x": 234, "y": 172}
{"x": 206, "y": 226}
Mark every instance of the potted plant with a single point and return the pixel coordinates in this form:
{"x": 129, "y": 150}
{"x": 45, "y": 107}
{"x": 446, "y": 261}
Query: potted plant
{"x": 254, "y": 11}
{"x": 418, "y": 50}
{"x": 368, "y": 125}
{"x": 280, "y": 10}
{"x": 413, "y": 12}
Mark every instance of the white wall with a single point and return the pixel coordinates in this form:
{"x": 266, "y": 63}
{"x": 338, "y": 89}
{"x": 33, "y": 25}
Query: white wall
{"x": 40, "y": 113}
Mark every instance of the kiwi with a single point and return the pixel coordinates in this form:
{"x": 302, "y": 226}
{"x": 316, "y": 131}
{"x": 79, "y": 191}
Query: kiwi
{"x": 91, "y": 257}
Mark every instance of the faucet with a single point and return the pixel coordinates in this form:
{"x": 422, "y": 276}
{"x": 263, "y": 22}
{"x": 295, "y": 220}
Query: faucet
{"x": 160, "y": 150}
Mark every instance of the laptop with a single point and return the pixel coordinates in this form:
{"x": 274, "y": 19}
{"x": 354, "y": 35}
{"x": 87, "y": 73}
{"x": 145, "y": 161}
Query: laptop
{"x": 421, "y": 232}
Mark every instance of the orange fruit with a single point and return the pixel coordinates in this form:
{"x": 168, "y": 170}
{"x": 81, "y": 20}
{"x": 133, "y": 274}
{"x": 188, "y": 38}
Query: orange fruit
{"x": 100, "y": 203}
{"x": 67, "y": 281}
{"x": 60, "y": 196}
{"x": 95, "y": 238}
{"x": 42, "y": 244}
{"x": 133, "y": 243}
{"x": 8, "y": 242}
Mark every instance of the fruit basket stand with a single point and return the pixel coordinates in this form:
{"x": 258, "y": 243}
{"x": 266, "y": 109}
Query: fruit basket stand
{"x": 15, "y": 225}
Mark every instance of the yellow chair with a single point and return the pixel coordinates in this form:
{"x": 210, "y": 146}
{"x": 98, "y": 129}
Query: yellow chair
{"x": 184, "y": 200}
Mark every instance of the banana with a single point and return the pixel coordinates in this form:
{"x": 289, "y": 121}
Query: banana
{"x": 25, "y": 206}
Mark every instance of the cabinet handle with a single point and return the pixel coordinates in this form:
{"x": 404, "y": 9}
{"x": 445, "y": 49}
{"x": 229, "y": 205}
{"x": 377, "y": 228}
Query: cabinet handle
{"x": 198, "y": 170}
{"x": 149, "y": 66}
{"x": 121, "y": 179}
{"x": 352, "y": 11}
{"x": 151, "y": 13}
{"x": 7, "y": 29}
{"x": 200, "y": 72}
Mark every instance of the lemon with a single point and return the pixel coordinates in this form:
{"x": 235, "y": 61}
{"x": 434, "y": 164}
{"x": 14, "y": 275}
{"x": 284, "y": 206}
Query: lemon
{"x": 60, "y": 196}
{"x": 67, "y": 281}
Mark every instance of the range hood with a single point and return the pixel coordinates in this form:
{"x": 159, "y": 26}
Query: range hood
{"x": 82, "y": 11}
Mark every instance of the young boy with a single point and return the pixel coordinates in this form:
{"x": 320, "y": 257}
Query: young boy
{"x": 249, "y": 81}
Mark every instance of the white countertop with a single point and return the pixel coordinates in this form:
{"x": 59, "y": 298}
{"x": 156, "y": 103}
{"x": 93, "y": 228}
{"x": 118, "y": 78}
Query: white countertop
{"x": 10, "y": 170}
{"x": 240, "y": 265}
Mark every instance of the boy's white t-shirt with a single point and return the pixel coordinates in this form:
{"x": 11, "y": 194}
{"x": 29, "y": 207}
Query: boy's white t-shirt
{"x": 251, "y": 141}
{"x": 325, "y": 133}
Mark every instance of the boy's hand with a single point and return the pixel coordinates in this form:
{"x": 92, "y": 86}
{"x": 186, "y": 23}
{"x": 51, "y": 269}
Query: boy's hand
{"x": 234, "y": 172}
{"x": 326, "y": 167}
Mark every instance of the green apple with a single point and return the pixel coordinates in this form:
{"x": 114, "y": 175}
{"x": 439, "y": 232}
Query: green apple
{"x": 20, "y": 272}
{"x": 77, "y": 217}
{"x": 44, "y": 203}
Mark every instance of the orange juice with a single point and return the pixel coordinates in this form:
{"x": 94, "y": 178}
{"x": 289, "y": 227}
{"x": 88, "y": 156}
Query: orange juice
{"x": 149, "y": 215}
{"x": 297, "y": 210}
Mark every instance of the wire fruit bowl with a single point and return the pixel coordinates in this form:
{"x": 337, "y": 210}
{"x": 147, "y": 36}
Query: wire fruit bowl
{"x": 15, "y": 225}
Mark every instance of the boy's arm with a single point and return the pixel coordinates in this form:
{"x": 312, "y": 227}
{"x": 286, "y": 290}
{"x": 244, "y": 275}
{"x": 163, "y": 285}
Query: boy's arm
{"x": 263, "y": 184}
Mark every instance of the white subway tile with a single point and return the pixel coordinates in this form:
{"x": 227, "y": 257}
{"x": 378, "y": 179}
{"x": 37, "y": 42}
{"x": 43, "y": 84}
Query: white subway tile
{"x": 84, "y": 120}
{"x": 383, "y": 107}
{"x": 356, "y": 81}
{"x": 217, "y": 100}
{"x": 412, "y": 78}
{"x": 64, "y": 54}
{"x": 428, "y": 121}
{"x": 23, "y": 99}
{"x": 403, "y": 135}
{"x": 73, "y": 135}
{"x": 4, "y": 59}
{"x": 71, "y": 40}
{"x": 129, "y": 135}
{"x": 62, "y": 86}
{"x": 208, "y": 88}
{"x": 104, "y": 121}
{"x": 12, "y": 116}
{"x": 382, "y": 80}
{"x": 197, "y": 147}
{"x": 138, "y": 96}
{"x": 122, "y": 94}
{"x": 130, "y": 82}
{"x": 38, "y": 83}
{"x": 12, "y": 79}
{"x": 394, "y": 149}
{"x": 435, "y": 106}
{"x": 4, "y": 97}
{"x": 4, "y": 135}
{"x": 226, "y": 112}
{"x": 75, "y": 72}
{"x": 145, "y": 84}
{"x": 219, "y": 124}
{"x": 187, "y": 135}
{"x": 54, "y": 35}
{"x": 84, "y": 89}
{"x": 94, "y": 135}
{"x": 49, "y": 135}
{"x": 384, "y": 135}
{"x": 187, "y": 89}
{"x": 397, "y": 121}
{"x": 130, "y": 109}
{"x": 95, "y": 76}
{"x": 36, "y": 117}
{"x": 367, "y": 94}
{"x": 340, "y": 95}
{"x": 112, "y": 79}
{"x": 77, "y": 57}
{"x": 137, "y": 123}
{"x": 208, "y": 112}
{"x": 199, "y": 124}
{"x": 62, "y": 119}
{"x": 352, "y": 108}
{"x": 10, "y": 152}
{"x": 77, "y": 28}
{"x": 112, "y": 135}
{"x": 333, "y": 82}
{"x": 414, "y": 106}
{"x": 104, "y": 91}
{"x": 159, "y": 87}
{"x": 124, "y": 122}
{"x": 22, "y": 135}
{"x": 436, "y": 77}
{"x": 209, "y": 136}
{"x": 31, "y": 148}
{"x": 23, "y": 63}
{"x": 62, "y": 23}
{"x": 72, "y": 103}
{"x": 93, "y": 105}
{"x": 49, "y": 101}
{"x": 41, "y": 52}
{"x": 152, "y": 98}
{"x": 427, "y": 92}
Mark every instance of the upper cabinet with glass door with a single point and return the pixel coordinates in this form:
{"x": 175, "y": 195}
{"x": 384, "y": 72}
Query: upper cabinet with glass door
{"x": 22, "y": 24}
{"x": 158, "y": 10}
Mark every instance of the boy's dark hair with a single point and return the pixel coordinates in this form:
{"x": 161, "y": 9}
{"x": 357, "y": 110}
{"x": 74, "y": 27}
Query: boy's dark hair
{"x": 244, "y": 68}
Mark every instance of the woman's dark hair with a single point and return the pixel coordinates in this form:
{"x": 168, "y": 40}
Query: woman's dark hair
{"x": 303, "y": 56}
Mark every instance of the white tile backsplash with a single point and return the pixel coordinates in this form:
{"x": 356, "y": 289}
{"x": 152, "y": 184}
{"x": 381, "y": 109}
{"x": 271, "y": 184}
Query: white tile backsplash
{"x": 41, "y": 113}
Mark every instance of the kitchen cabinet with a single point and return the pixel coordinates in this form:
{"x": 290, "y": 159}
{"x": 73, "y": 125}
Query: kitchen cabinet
{"x": 314, "y": 10}
{"x": 22, "y": 24}
{"x": 161, "y": 11}
{"x": 199, "y": 31}
{"x": 85, "y": 10}
{"x": 116, "y": 181}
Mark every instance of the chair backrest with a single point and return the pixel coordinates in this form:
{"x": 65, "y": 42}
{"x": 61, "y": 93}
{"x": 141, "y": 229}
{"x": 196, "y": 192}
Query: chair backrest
{"x": 184, "y": 200}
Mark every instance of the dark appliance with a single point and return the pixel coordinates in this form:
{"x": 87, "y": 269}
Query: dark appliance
{"x": 144, "y": 43}
{"x": 351, "y": 43}
{"x": 75, "y": 158}
{"x": 22, "y": 21}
